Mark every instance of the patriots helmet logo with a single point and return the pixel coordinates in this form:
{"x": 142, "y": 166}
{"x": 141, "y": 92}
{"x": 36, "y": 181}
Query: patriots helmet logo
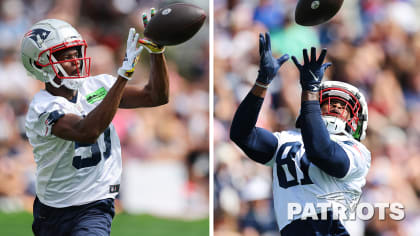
{"x": 38, "y": 35}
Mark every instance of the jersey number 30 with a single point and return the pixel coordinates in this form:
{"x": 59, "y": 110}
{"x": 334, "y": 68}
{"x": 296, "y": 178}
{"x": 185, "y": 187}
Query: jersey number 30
{"x": 287, "y": 172}
{"x": 79, "y": 162}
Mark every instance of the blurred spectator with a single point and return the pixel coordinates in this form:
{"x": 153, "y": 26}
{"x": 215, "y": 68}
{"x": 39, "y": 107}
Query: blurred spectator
{"x": 270, "y": 14}
{"x": 257, "y": 213}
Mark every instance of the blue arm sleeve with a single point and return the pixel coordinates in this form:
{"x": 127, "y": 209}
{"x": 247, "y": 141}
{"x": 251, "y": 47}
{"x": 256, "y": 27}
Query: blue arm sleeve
{"x": 320, "y": 149}
{"x": 259, "y": 144}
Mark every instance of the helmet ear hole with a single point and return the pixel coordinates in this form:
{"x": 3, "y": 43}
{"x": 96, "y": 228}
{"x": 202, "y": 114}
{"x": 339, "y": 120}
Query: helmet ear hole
{"x": 34, "y": 64}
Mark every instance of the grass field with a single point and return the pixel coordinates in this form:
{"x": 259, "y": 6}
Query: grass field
{"x": 19, "y": 224}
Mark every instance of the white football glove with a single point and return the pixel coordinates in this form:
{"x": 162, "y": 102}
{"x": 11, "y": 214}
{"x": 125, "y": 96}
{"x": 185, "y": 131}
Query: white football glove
{"x": 132, "y": 54}
{"x": 150, "y": 46}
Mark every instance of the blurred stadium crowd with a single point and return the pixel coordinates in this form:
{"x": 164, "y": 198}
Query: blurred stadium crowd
{"x": 172, "y": 137}
{"x": 374, "y": 45}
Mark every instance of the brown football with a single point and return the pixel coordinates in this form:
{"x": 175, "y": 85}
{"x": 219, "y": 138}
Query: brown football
{"x": 315, "y": 12}
{"x": 175, "y": 24}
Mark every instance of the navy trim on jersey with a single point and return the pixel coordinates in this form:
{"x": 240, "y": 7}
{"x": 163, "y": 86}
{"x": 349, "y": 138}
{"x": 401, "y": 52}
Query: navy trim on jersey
{"x": 74, "y": 99}
{"x": 328, "y": 155}
{"x": 259, "y": 144}
{"x": 54, "y": 116}
{"x": 39, "y": 116}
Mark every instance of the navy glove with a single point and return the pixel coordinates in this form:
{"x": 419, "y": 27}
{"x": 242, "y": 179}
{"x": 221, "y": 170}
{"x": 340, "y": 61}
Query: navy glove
{"x": 311, "y": 72}
{"x": 268, "y": 64}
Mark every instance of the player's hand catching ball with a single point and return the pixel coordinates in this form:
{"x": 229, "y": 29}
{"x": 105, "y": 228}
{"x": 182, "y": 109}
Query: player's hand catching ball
{"x": 131, "y": 57}
{"x": 150, "y": 46}
{"x": 311, "y": 72}
{"x": 268, "y": 64}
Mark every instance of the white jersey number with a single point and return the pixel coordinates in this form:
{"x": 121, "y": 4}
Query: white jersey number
{"x": 93, "y": 160}
{"x": 287, "y": 166}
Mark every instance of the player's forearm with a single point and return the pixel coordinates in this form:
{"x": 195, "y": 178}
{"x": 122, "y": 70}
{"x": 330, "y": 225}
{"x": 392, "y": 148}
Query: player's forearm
{"x": 155, "y": 93}
{"x": 309, "y": 96}
{"x": 159, "y": 80}
{"x": 315, "y": 136}
{"x": 99, "y": 118}
{"x": 259, "y": 144}
{"x": 320, "y": 149}
{"x": 246, "y": 117}
{"x": 259, "y": 91}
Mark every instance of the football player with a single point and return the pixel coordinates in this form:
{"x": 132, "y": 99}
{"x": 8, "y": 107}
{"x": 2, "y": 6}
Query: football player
{"x": 324, "y": 158}
{"x": 75, "y": 145}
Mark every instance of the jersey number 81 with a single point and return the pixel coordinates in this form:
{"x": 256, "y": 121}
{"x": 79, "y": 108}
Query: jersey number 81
{"x": 287, "y": 166}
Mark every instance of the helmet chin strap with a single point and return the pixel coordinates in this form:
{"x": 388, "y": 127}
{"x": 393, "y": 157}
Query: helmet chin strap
{"x": 51, "y": 81}
{"x": 73, "y": 84}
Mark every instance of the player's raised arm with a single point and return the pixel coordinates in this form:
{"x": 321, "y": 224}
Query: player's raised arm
{"x": 88, "y": 129}
{"x": 259, "y": 144}
{"x": 320, "y": 149}
{"x": 156, "y": 92}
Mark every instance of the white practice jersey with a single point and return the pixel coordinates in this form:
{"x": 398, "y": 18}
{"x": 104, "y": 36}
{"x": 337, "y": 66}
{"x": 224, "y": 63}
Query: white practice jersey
{"x": 297, "y": 180}
{"x": 71, "y": 173}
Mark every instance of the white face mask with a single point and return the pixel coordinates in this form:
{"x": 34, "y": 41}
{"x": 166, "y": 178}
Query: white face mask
{"x": 334, "y": 124}
{"x": 73, "y": 84}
